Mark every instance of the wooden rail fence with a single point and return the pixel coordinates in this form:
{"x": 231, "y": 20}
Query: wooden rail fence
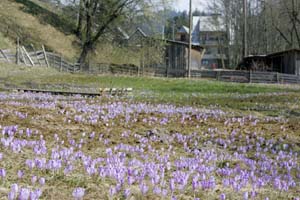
{"x": 248, "y": 76}
{"x": 38, "y": 58}
{"x": 50, "y": 59}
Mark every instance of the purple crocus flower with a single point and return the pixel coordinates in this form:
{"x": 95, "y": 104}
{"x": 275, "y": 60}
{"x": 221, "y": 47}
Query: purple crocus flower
{"x": 20, "y": 174}
{"x": 2, "y": 173}
{"x": 222, "y": 196}
{"x": 144, "y": 188}
{"x": 112, "y": 191}
{"x": 13, "y": 194}
{"x": 35, "y": 195}
{"x": 127, "y": 193}
{"x": 78, "y": 193}
{"x": 24, "y": 194}
{"x": 172, "y": 185}
{"x": 42, "y": 181}
{"x": 33, "y": 179}
{"x": 246, "y": 196}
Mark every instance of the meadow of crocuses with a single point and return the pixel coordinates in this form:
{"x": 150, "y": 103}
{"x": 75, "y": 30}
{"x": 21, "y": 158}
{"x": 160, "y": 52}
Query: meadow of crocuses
{"x": 56, "y": 147}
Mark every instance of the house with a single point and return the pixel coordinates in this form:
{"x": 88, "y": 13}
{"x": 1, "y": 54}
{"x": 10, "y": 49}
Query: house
{"x": 287, "y": 62}
{"x": 209, "y": 32}
{"x": 165, "y": 56}
{"x": 116, "y": 35}
{"x": 176, "y": 54}
{"x": 137, "y": 37}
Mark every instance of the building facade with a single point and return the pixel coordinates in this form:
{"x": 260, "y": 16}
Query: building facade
{"x": 210, "y": 33}
{"x": 165, "y": 56}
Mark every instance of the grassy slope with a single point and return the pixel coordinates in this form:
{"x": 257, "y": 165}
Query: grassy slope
{"x": 40, "y": 23}
{"x": 5, "y": 42}
{"x": 17, "y": 20}
{"x": 240, "y": 97}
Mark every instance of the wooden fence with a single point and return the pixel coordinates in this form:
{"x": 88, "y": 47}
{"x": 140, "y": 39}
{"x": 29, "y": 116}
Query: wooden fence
{"x": 37, "y": 58}
{"x": 248, "y": 76}
{"x": 49, "y": 59}
{"x": 221, "y": 75}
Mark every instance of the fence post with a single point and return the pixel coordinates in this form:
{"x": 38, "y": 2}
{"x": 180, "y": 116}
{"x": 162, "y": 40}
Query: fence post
{"x": 218, "y": 75}
{"x": 28, "y": 56}
{"x": 278, "y": 78}
{"x": 18, "y": 52}
{"x": 23, "y": 57}
{"x": 250, "y": 76}
{"x": 36, "y": 54}
{"x": 60, "y": 67}
{"x": 45, "y": 55}
{"x": 4, "y": 55}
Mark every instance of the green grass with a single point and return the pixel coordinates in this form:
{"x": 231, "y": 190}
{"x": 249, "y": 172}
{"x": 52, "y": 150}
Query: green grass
{"x": 5, "y": 42}
{"x": 20, "y": 74}
{"x": 273, "y": 100}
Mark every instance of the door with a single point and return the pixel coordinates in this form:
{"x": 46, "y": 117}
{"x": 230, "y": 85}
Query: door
{"x": 298, "y": 67}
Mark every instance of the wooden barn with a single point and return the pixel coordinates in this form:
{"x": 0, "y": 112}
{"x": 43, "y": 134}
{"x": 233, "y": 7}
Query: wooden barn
{"x": 165, "y": 57}
{"x": 286, "y": 62}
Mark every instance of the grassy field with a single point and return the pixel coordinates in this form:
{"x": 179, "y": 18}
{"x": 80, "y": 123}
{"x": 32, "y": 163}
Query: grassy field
{"x": 171, "y": 138}
{"x": 245, "y": 97}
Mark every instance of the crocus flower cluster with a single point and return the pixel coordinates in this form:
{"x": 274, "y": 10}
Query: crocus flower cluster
{"x": 119, "y": 149}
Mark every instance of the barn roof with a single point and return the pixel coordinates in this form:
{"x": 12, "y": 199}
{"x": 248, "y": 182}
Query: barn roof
{"x": 283, "y": 52}
{"x": 194, "y": 46}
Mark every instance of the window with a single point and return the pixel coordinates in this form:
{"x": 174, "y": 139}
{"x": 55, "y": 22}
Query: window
{"x": 205, "y": 62}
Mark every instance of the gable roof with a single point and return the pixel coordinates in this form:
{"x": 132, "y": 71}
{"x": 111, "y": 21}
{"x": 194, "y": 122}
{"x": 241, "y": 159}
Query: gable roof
{"x": 197, "y": 47}
{"x": 210, "y": 23}
{"x": 138, "y": 31}
{"x": 184, "y": 29}
{"x": 123, "y": 33}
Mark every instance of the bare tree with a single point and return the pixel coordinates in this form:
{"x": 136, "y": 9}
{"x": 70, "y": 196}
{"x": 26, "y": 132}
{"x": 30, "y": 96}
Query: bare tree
{"x": 97, "y": 16}
{"x": 272, "y": 25}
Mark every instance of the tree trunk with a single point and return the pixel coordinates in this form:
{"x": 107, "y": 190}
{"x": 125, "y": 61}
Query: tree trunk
{"x": 83, "y": 56}
{"x": 80, "y": 19}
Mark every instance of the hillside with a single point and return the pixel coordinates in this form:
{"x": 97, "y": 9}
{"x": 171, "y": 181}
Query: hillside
{"x": 17, "y": 20}
{"x": 38, "y": 23}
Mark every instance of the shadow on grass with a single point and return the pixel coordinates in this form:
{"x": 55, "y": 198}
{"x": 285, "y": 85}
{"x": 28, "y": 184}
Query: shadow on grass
{"x": 46, "y": 16}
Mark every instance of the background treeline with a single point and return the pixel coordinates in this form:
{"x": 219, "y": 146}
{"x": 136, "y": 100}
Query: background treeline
{"x": 89, "y": 26}
{"x": 272, "y": 25}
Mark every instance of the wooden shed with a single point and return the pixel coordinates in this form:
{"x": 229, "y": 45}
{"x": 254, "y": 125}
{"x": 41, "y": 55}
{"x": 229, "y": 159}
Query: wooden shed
{"x": 286, "y": 62}
{"x": 165, "y": 57}
{"x": 176, "y": 57}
